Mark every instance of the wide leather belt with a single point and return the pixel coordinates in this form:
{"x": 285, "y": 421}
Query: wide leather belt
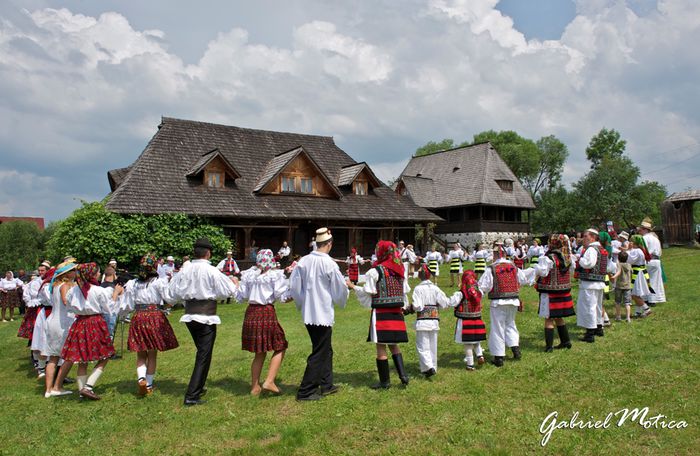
{"x": 200, "y": 307}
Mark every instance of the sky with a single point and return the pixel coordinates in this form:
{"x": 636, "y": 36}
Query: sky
{"x": 83, "y": 84}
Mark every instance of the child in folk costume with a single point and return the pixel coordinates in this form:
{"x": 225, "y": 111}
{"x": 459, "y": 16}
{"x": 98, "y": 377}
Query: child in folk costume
{"x": 408, "y": 258}
{"x": 354, "y": 261}
{"x": 434, "y": 259}
{"x": 88, "y": 339}
{"x": 592, "y": 269}
{"x": 606, "y": 242}
{"x": 10, "y": 289}
{"x": 638, "y": 255}
{"x": 262, "y": 285}
{"x": 455, "y": 258}
{"x": 623, "y": 286}
{"x": 502, "y": 281}
{"x": 39, "y": 333}
{"x": 149, "y": 329}
{"x": 58, "y": 325}
{"x": 554, "y": 286}
{"x": 480, "y": 258}
{"x": 385, "y": 291}
{"x": 427, "y": 301}
{"x": 470, "y": 330}
{"x": 519, "y": 254}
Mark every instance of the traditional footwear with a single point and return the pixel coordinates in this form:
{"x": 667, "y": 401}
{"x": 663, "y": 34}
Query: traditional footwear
{"x": 470, "y": 367}
{"x": 90, "y": 394}
{"x": 599, "y": 331}
{"x": 549, "y": 349}
{"x": 607, "y": 323}
{"x": 330, "y": 390}
{"x": 498, "y": 361}
{"x": 60, "y": 393}
{"x": 312, "y": 397}
{"x": 398, "y": 363}
{"x": 564, "y": 340}
{"x": 143, "y": 386}
{"x": 429, "y": 373}
{"x": 516, "y": 352}
{"x": 192, "y": 402}
{"x": 41, "y": 373}
{"x": 150, "y": 389}
{"x": 548, "y": 339}
{"x": 589, "y": 336}
{"x": 384, "y": 377}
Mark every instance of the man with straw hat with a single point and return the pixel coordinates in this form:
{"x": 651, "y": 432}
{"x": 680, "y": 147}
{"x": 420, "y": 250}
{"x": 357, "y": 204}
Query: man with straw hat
{"x": 316, "y": 284}
{"x": 646, "y": 229}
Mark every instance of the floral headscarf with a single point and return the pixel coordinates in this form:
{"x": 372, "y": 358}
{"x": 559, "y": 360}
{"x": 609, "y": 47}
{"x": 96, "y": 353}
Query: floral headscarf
{"x": 86, "y": 277}
{"x": 605, "y": 241}
{"x": 469, "y": 289}
{"x": 46, "y": 278}
{"x": 265, "y": 260}
{"x": 148, "y": 266}
{"x": 388, "y": 256}
{"x": 559, "y": 245}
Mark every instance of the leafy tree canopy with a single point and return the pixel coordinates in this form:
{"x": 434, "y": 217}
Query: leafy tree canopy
{"x": 21, "y": 245}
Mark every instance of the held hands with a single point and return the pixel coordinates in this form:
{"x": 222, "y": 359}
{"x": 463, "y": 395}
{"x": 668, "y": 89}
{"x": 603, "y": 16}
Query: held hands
{"x": 350, "y": 285}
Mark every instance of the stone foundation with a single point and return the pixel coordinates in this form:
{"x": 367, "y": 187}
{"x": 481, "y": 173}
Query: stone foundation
{"x": 471, "y": 240}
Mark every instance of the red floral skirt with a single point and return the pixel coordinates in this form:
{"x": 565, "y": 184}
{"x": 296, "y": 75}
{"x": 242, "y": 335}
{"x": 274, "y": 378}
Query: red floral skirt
{"x": 261, "y": 330}
{"x": 88, "y": 340}
{"x": 11, "y": 299}
{"x": 151, "y": 330}
{"x": 26, "y": 329}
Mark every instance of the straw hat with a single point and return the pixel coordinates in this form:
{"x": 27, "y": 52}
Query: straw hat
{"x": 646, "y": 224}
{"x": 625, "y": 235}
{"x": 323, "y": 235}
{"x": 593, "y": 231}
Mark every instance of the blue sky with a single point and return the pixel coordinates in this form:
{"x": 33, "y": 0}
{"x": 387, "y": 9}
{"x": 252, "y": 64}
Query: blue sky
{"x": 84, "y": 84}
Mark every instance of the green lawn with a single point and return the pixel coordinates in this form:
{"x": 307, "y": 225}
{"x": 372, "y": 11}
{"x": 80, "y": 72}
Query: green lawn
{"x": 652, "y": 362}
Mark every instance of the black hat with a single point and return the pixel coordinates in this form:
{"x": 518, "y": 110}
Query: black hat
{"x": 203, "y": 243}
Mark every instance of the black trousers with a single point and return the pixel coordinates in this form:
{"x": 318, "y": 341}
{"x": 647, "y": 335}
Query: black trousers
{"x": 319, "y": 364}
{"x": 203, "y": 337}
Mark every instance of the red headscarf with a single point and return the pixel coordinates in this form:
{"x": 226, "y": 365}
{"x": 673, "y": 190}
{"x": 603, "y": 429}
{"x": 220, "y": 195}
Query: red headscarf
{"x": 468, "y": 286}
{"x": 46, "y": 278}
{"x": 86, "y": 277}
{"x": 388, "y": 256}
{"x": 426, "y": 271}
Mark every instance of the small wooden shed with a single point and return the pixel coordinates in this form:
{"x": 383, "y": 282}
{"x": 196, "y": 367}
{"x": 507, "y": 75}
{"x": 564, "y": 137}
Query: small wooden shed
{"x": 677, "y": 218}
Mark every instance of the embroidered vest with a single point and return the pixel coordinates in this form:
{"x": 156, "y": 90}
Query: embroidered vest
{"x": 598, "y": 272}
{"x": 556, "y": 280}
{"x": 430, "y": 312}
{"x": 468, "y": 309}
{"x": 229, "y": 267}
{"x": 389, "y": 289}
{"x": 505, "y": 281}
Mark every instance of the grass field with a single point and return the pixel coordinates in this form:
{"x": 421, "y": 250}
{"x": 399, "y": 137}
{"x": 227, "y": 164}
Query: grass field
{"x": 652, "y": 362}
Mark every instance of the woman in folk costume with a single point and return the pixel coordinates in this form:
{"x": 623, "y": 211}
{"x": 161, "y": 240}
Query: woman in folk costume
{"x": 480, "y": 257}
{"x": 656, "y": 274}
{"x": 385, "y": 291}
{"x": 535, "y": 251}
{"x": 354, "y": 261}
{"x": 434, "y": 259}
{"x": 502, "y": 281}
{"x": 88, "y": 338}
{"x": 58, "y": 324}
{"x": 428, "y": 298}
{"x": 519, "y": 254}
{"x": 637, "y": 256}
{"x": 30, "y": 295}
{"x": 455, "y": 258}
{"x": 554, "y": 286}
{"x": 471, "y": 329}
{"x": 10, "y": 289}
{"x": 149, "y": 329}
{"x": 39, "y": 333}
{"x": 263, "y": 285}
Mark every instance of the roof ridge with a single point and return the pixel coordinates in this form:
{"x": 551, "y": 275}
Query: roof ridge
{"x": 176, "y": 119}
{"x": 450, "y": 150}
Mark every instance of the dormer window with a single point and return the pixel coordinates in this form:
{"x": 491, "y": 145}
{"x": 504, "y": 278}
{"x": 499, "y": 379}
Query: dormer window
{"x": 506, "y": 185}
{"x": 215, "y": 179}
{"x": 212, "y": 170}
{"x": 288, "y": 184}
{"x": 359, "y": 187}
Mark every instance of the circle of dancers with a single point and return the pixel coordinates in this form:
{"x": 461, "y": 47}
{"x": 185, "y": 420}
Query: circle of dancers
{"x": 70, "y": 313}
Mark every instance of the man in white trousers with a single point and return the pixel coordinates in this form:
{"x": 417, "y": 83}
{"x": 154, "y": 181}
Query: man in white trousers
{"x": 646, "y": 229}
{"x": 592, "y": 268}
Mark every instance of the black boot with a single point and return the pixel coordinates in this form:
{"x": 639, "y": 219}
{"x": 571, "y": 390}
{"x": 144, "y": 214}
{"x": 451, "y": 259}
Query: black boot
{"x": 549, "y": 339}
{"x": 498, "y": 361}
{"x": 398, "y": 363}
{"x": 599, "y": 331}
{"x": 516, "y": 352}
{"x": 589, "y": 336}
{"x": 384, "y": 379}
{"x": 564, "y": 341}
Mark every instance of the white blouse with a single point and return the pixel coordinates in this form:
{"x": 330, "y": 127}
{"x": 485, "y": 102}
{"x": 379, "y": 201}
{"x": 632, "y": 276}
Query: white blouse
{"x": 11, "y": 284}
{"x": 635, "y": 257}
{"x": 30, "y": 295}
{"x": 136, "y": 292}
{"x": 427, "y": 293}
{"x": 262, "y": 289}
{"x": 525, "y": 277}
{"x": 432, "y": 256}
{"x": 369, "y": 289}
{"x": 99, "y": 301}
{"x": 358, "y": 259}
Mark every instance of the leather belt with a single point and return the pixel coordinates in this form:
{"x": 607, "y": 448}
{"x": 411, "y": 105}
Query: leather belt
{"x": 200, "y": 307}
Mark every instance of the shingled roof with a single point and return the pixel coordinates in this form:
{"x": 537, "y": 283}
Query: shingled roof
{"x": 157, "y": 181}
{"x": 461, "y": 177}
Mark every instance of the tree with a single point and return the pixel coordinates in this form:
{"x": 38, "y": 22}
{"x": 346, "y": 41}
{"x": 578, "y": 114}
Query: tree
{"x": 557, "y": 211}
{"x": 606, "y": 143}
{"x": 552, "y": 156}
{"x": 432, "y": 147}
{"x": 20, "y": 246}
{"x": 92, "y": 233}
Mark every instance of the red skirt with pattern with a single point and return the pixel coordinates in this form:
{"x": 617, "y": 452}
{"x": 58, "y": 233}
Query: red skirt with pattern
{"x": 261, "y": 330}
{"x": 151, "y": 330}
{"x": 26, "y": 329}
{"x": 88, "y": 340}
{"x": 11, "y": 299}
{"x": 473, "y": 329}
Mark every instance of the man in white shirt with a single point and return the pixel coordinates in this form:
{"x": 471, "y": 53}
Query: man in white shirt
{"x": 654, "y": 265}
{"x": 201, "y": 285}
{"x": 592, "y": 268}
{"x": 284, "y": 255}
{"x": 228, "y": 265}
{"x": 316, "y": 284}
{"x": 166, "y": 271}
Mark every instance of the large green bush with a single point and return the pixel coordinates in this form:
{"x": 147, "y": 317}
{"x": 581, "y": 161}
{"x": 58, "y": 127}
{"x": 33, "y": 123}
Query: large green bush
{"x": 21, "y": 245}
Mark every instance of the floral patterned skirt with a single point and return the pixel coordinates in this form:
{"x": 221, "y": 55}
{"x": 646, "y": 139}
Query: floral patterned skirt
{"x": 88, "y": 340}
{"x": 151, "y": 330}
{"x": 11, "y": 299}
{"x": 26, "y": 329}
{"x": 261, "y": 330}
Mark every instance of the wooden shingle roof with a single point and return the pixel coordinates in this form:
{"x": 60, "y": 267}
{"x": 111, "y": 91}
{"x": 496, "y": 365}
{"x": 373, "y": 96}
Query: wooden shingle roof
{"x": 157, "y": 181}
{"x": 461, "y": 177}
{"x": 348, "y": 174}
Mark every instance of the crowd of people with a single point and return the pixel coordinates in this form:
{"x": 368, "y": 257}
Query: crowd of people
{"x": 71, "y": 308}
